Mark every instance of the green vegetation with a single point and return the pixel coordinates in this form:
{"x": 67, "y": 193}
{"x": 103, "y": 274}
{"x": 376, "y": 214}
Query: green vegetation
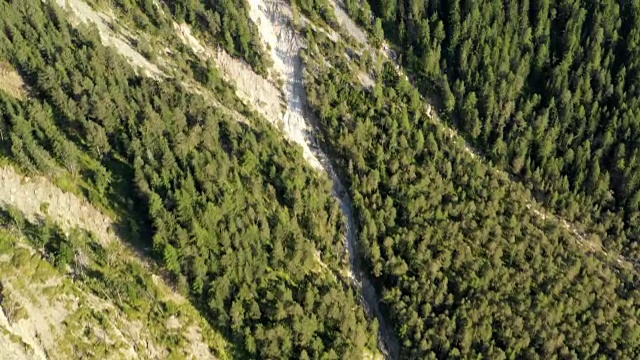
{"x": 317, "y": 10}
{"x": 223, "y": 23}
{"x": 90, "y": 326}
{"x": 549, "y": 91}
{"x": 229, "y": 209}
{"x": 227, "y": 22}
{"x": 465, "y": 268}
{"x": 467, "y": 262}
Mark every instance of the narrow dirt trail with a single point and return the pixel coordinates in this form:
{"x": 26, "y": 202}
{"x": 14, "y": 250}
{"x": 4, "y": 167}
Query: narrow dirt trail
{"x": 274, "y": 19}
{"x": 581, "y": 238}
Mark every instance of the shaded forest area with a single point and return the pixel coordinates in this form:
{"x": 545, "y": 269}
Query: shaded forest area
{"x": 239, "y": 221}
{"x": 465, "y": 268}
{"x": 549, "y": 90}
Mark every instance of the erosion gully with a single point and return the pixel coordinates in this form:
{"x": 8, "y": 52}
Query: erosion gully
{"x": 274, "y": 19}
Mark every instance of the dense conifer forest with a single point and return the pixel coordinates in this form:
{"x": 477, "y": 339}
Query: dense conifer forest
{"x": 548, "y": 90}
{"x": 506, "y": 227}
{"x": 239, "y": 221}
{"x": 466, "y": 266}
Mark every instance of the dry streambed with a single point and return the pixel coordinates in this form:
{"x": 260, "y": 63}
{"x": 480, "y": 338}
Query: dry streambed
{"x": 274, "y": 19}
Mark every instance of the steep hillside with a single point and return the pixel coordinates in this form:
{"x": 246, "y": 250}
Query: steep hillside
{"x": 71, "y": 288}
{"x": 265, "y": 179}
{"x": 195, "y": 177}
{"x": 546, "y": 89}
{"x": 469, "y": 264}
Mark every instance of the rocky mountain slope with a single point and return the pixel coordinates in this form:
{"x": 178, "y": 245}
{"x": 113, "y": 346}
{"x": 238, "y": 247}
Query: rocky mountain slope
{"x": 262, "y": 179}
{"x": 41, "y": 203}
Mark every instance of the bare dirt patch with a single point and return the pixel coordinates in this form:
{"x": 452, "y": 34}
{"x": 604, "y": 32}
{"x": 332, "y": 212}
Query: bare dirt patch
{"x": 11, "y": 348}
{"x": 10, "y": 81}
{"x": 30, "y": 194}
{"x": 84, "y": 13}
{"x": 274, "y": 19}
{"x": 44, "y": 318}
{"x": 198, "y": 348}
{"x": 366, "y": 80}
{"x": 252, "y": 88}
{"x": 44, "y": 329}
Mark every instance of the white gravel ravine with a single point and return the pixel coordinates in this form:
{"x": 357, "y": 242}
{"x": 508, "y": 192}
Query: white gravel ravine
{"x": 274, "y": 19}
{"x": 250, "y": 87}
